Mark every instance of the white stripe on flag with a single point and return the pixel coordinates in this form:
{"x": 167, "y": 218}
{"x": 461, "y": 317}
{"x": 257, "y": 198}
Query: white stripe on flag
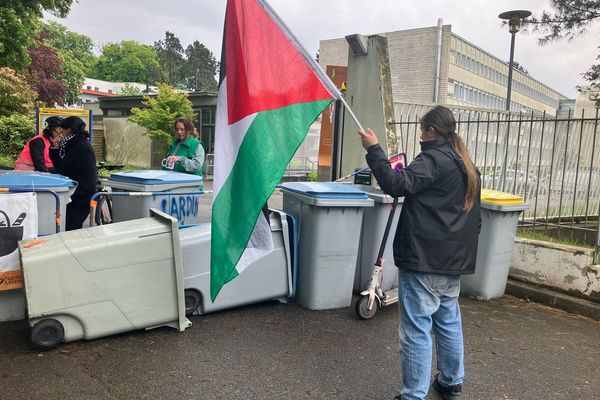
{"x": 228, "y": 140}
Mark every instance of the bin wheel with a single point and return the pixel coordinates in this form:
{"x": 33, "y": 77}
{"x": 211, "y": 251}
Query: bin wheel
{"x": 361, "y": 308}
{"x": 47, "y": 334}
{"x": 192, "y": 301}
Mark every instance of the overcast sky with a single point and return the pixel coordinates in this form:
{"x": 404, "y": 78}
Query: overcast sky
{"x": 558, "y": 65}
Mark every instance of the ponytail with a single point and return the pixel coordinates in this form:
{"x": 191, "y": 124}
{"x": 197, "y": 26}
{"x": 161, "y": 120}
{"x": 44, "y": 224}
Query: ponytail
{"x": 442, "y": 121}
{"x": 472, "y": 178}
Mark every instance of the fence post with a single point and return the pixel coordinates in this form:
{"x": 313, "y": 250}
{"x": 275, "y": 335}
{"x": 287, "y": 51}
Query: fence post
{"x": 597, "y": 254}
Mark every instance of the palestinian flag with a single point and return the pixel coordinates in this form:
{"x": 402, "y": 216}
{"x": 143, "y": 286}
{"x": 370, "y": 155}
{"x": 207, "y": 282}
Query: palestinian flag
{"x": 270, "y": 92}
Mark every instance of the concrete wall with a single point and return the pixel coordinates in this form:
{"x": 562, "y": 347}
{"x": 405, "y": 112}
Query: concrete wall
{"x": 565, "y": 268}
{"x": 126, "y": 142}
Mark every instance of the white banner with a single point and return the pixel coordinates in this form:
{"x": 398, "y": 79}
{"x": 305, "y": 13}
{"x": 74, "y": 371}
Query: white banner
{"x": 18, "y": 220}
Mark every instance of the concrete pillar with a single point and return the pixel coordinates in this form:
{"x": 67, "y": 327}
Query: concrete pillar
{"x": 369, "y": 95}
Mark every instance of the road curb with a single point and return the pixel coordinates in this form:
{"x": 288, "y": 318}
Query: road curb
{"x": 554, "y": 299}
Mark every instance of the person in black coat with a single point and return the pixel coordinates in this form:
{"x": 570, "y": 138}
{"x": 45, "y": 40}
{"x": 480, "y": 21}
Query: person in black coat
{"x": 74, "y": 157}
{"x": 435, "y": 242}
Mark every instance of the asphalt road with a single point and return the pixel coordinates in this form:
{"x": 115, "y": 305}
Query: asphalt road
{"x": 514, "y": 350}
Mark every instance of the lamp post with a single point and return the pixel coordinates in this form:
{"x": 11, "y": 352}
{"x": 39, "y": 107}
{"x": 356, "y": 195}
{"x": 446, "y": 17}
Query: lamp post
{"x": 514, "y": 19}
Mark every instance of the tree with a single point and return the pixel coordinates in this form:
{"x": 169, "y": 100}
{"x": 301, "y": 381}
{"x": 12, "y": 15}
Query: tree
{"x": 160, "y": 112}
{"x": 44, "y": 73}
{"x": 200, "y": 68}
{"x": 569, "y": 20}
{"x": 73, "y": 77}
{"x": 19, "y": 21}
{"x": 78, "y": 46}
{"x": 170, "y": 58}
{"x": 16, "y": 96}
{"x": 127, "y": 61}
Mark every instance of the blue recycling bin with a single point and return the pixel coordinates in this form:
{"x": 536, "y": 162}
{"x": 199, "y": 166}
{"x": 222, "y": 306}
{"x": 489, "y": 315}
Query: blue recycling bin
{"x": 184, "y": 207}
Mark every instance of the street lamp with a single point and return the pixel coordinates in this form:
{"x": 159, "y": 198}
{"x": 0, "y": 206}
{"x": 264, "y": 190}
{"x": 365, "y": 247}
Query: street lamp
{"x": 514, "y": 24}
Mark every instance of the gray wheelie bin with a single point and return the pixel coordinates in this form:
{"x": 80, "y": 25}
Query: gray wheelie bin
{"x": 99, "y": 281}
{"x": 184, "y": 207}
{"x": 499, "y": 217}
{"x": 49, "y": 188}
{"x": 374, "y": 222}
{"x": 330, "y": 219}
{"x": 267, "y": 278}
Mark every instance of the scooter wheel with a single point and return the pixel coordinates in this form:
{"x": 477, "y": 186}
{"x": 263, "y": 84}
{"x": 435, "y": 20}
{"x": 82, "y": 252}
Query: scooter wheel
{"x": 47, "y": 334}
{"x": 361, "y": 308}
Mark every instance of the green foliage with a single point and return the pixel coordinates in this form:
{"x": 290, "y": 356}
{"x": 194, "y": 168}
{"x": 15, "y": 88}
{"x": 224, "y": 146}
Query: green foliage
{"x": 127, "y": 61}
{"x": 19, "y": 24}
{"x": 75, "y": 53}
{"x": 170, "y": 57}
{"x": 16, "y": 96}
{"x": 161, "y": 111}
{"x": 15, "y": 131}
{"x": 129, "y": 90}
{"x": 78, "y": 46}
{"x": 545, "y": 238}
{"x": 312, "y": 176}
{"x": 200, "y": 68}
{"x": 73, "y": 75}
{"x": 570, "y": 19}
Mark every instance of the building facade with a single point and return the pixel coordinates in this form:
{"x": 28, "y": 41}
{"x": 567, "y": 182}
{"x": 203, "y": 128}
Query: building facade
{"x": 93, "y": 89}
{"x": 434, "y": 65}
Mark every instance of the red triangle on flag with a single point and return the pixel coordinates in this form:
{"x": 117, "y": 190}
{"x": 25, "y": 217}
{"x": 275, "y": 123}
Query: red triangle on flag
{"x": 264, "y": 70}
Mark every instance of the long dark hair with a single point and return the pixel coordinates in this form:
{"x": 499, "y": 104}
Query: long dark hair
{"x": 76, "y": 125}
{"x": 442, "y": 121}
{"x": 187, "y": 124}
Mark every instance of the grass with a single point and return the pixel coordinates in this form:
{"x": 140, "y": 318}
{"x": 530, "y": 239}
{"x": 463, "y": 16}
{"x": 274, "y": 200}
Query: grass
{"x": 545, "y": 238}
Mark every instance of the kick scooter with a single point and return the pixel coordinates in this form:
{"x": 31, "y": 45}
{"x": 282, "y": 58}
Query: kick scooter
{"x": 373, "y": 297}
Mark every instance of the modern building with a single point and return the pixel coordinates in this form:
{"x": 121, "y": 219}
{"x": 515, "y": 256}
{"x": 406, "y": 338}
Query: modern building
{"x": 93, "y": 89}
{"x": 435, "y": 65}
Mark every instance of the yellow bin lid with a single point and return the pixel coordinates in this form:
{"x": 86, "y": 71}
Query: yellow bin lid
{"x": 502, "y": 198}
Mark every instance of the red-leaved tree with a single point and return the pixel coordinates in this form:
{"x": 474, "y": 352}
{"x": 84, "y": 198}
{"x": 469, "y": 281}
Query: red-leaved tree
{"x": 44, "y": 73}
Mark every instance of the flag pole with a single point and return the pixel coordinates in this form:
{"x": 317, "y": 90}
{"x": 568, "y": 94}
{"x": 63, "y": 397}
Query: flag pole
{"x": 351, "y": 113}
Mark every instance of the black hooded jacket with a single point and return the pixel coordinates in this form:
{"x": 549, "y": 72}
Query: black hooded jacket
{"x": 434, "y": 233}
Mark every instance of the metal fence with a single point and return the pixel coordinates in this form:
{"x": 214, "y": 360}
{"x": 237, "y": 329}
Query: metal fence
{"x": 298, "y": 166}
{"x": 553, "y": 162}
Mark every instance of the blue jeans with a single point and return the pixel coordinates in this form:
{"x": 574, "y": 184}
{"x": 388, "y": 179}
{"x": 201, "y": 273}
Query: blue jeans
{"x": 429, "y": 302}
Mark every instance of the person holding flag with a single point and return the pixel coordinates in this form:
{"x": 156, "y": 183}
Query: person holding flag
{"x": 270, "y": 92}
{"x": 435, "y": 243}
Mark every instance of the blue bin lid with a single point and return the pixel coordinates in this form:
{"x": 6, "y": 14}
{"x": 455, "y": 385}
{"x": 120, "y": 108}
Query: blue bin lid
{"x": 26, "y": 180}
{"x": 155, "y": 177}
{"x": 325, "y": 190}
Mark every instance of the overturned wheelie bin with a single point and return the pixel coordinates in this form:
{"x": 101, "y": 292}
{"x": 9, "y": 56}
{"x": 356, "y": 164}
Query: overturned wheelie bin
{"x": 267, "y": 278}
{"x": 108, "y": 279}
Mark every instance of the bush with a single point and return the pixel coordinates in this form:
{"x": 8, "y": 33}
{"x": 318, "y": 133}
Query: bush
{"x": 16, "y": 96}
{"x": 312, "y": 176}
{"x": 159, "y": 113}
{"x": 15, "y": 131}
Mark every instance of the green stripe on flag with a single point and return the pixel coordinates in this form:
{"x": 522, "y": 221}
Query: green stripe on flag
{"x": 266, "y": 150}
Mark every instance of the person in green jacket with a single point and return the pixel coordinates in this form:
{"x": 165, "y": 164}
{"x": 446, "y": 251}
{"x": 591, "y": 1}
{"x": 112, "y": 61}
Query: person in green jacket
{"x": 186, "y": 153}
